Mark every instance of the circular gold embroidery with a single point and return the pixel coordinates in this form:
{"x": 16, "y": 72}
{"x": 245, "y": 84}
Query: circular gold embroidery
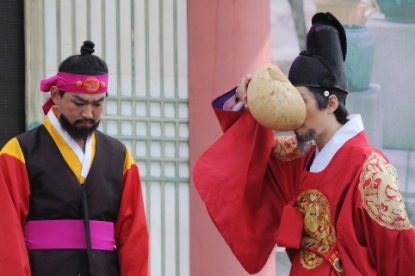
{"x": 285, "y": 148}
{"x": 317, "y": 223}
{"x": 380, "y": 193}
{"x": 91, "y": 84}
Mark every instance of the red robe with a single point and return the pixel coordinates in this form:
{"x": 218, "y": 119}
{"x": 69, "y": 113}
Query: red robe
{"x": 353, "y": 203}
{"x": 131, "y": 232}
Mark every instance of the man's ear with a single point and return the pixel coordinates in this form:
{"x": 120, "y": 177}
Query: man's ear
{"x": 333, "y": 103}
{"x": 54, "y": 93}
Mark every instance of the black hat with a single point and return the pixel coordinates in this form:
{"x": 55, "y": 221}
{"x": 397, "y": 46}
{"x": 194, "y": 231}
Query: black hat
{"x": 322, "y": 63}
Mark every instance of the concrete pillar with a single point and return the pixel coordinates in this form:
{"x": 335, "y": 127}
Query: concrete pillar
{"x": 368, "y": 104}
{"x": 34, "y": 55}
{"x": 393, "y": 69}
{"x": 227, "y": 39}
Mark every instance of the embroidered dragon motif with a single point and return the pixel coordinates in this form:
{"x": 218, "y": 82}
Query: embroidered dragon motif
{"x": 317, "y": 223}
{"x": 381, "y": 197}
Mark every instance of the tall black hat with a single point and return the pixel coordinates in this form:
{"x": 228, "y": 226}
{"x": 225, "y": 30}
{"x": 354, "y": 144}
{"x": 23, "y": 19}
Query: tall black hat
{"x": 322, "y": 63}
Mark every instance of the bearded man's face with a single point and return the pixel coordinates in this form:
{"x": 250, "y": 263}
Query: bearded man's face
{"x": 80, "y": 114}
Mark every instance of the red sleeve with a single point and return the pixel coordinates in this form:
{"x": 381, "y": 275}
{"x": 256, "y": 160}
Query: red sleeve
{"x": 380, "y": 236}
{"x": 392, "y": 251}
{"x": 390, "y": 235}
{"x": 229, "y": 176}
{"x": 226, "y": 118}
{"x": 131, "y": 230}
{"x": 14, "y": 206}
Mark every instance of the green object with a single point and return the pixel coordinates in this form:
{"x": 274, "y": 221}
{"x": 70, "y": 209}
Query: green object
{"x": 359, "y": 58}
{"x": 32, "y": 125}
{"x": 398, "y": 10}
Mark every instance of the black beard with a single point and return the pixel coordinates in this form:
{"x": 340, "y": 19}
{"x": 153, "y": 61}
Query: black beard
{"x": 78, "y": 133}
{"x": 302, "y": 140}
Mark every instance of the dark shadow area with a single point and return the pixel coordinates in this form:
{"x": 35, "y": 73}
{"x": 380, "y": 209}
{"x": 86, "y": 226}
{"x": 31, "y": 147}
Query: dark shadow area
{"x": 12, "y": 70}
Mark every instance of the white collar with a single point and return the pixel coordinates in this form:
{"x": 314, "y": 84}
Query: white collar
{"x": 349, "y": 130}
{"x": 84, "y": 158}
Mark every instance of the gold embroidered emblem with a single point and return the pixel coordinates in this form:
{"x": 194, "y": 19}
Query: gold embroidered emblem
{"x": 317, "y": 223}
{"x": 380, "y": 193}
{"x": 285, "y": 148}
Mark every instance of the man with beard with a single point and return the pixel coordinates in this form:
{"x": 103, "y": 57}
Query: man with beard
{"x": 70, "y": 196}
{"x": 326, "y": 195}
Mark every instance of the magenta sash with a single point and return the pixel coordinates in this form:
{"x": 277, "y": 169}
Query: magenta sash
{"x": 68, "y": 234}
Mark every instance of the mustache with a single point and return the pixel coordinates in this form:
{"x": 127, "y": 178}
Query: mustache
{"x": 84, "y": 121}
{"x": 302, "y": 140}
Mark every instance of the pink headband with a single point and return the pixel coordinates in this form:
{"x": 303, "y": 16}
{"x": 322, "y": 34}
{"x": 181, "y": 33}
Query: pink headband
{"x": 80, "y": 84}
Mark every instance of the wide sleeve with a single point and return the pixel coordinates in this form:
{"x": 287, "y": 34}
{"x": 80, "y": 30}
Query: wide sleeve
{"x": 14, "y": 206}
{"x": 131, "y": 231}
{"x": 241, "y": 194}
{"x": 380, "y": 235}
{"x": 226, "y": 118}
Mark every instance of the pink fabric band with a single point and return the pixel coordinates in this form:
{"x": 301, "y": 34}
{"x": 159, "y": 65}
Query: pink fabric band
{"x": 80, "y": 84}
{"x": 68, "y": 234}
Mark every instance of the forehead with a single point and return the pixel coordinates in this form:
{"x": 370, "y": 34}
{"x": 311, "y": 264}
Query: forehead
{"x": 304, "y": 91}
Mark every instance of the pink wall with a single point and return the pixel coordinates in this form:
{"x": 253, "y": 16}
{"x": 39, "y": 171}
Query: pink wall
{"x": 227, "y": 39}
